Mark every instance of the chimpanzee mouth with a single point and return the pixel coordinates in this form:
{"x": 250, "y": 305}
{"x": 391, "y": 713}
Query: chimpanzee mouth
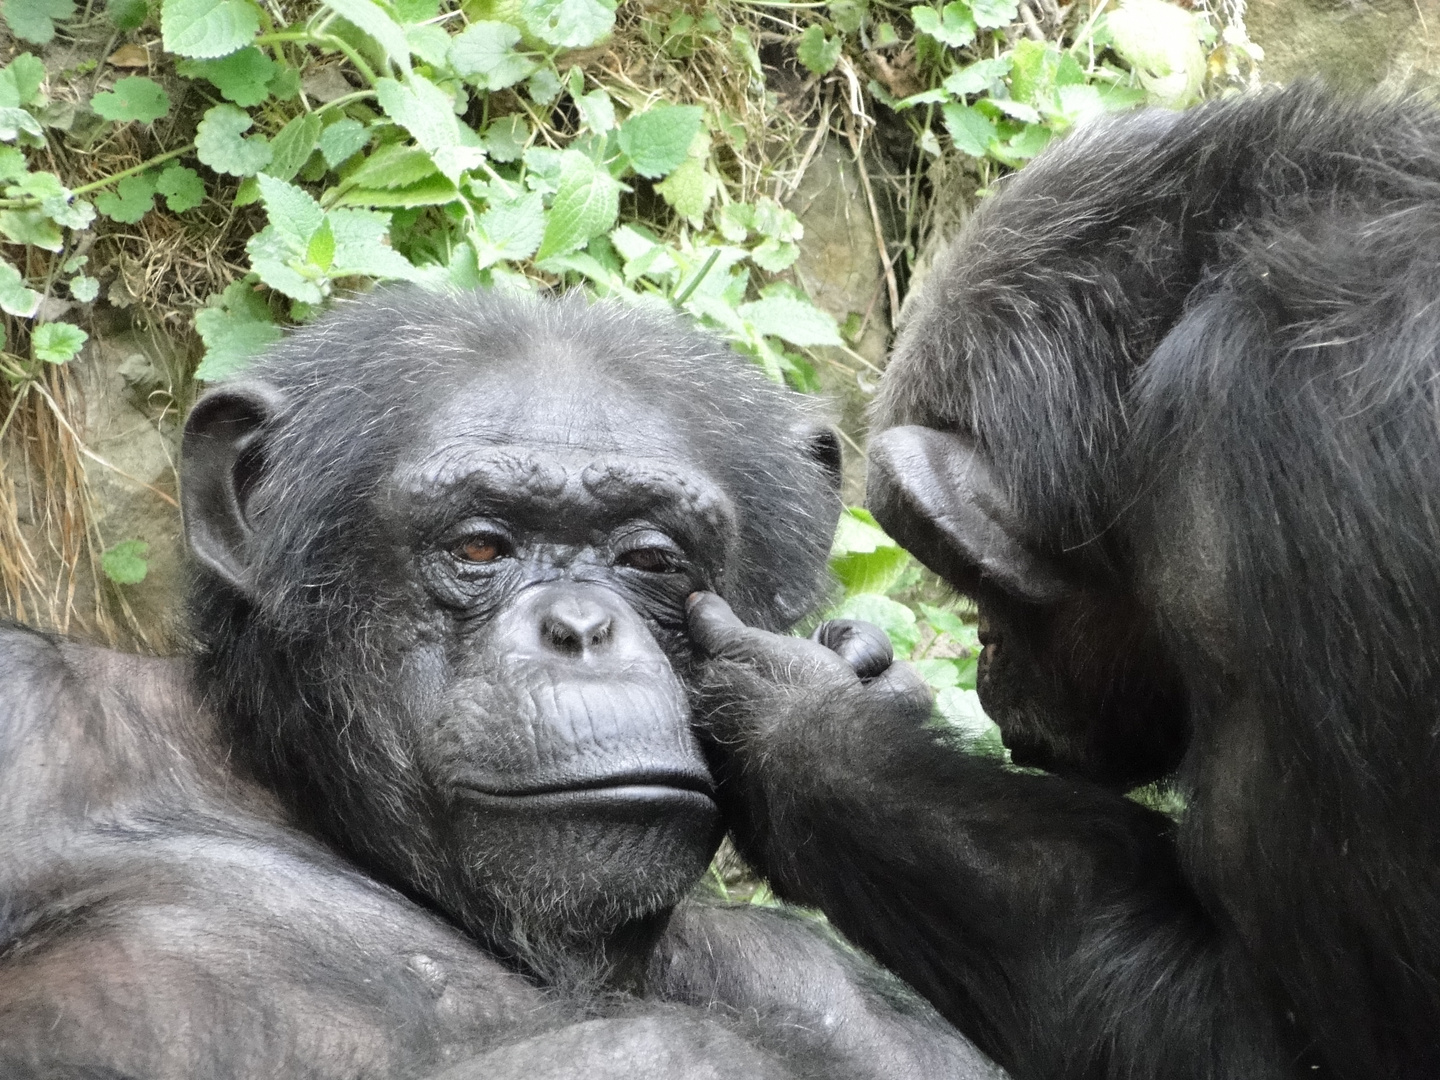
{"x": 675, "y": 789}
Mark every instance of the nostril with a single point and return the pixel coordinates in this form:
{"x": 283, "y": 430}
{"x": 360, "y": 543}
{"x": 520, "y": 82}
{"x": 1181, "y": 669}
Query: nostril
{"x": 576, "y": 627}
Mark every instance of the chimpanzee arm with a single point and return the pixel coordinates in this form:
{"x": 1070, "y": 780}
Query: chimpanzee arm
{"x": 803, "y": 994}
{"x": 1046, "y": 918}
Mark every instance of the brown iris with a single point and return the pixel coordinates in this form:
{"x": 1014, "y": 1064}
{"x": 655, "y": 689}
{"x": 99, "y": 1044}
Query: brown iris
{"x": 479, "y": 549}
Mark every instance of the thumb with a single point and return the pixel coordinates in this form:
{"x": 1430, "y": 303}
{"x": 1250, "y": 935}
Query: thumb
{"x": 716, "y": 630}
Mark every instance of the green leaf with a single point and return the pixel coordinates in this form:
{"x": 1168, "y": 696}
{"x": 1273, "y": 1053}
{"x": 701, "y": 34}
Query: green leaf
{"x": 689, "y": 189}
{"x": 962, "y": 710}
{"x": 393, "y": 166}
{"x": 993, "y": 14}
{"x": 125, "y": 563}
{"x": 506, "y": 137}
{"x": 67, "y": 211}
{"x": 949, "y": 622}
{"x": 485, "y": 55}
{"x": 425, "y": 111}
{"x": 293, "y": 145}
{"x": 206, "y": 28}
{"x": 31, "y": 227}
{"x": 294, "y": 215}
{"x": 1162, "y": 42}
{"x": 658, "y": 140}
{"x": 280, "y": 262}
{"x": 17, "y": 123}
{"x": 372, "y": 19}
{"x": 586, "y": 203}
{"x": 12, "y": 163}
{"x": 511, "y": 229}
{"x": 20, "y": 81}
{"x": 127, "y": 14}
{"x": 796, "y": 321}
{"x": 57, "y": 342}
{"x": 977, "y": 78}
{"x": 816, "y": 51}
{"x": 429, "y": 42}
{"x": 572, "y": 24}
{"x": 775, "y": 255}
{"x": 83, "y": 288}
{"x": 132, "y": 199}
{"x": 342, "y": 140}
{"x": 242, "y": 77}
{"x": 971, "y": 130}
{"x": 941, "y": 673}
{"x": 544, "y": 86}
{"x": 952, "y": 25}
{"x": 34, "y": 20}
{"x": 321, "y": 249}
{"x": 15, "y": 298}
{"x": 434, "y": 190}
{"x": 597, "y": 111}
{"x": 220, "y": 142}
{"x": 182, "y": 187}
{"x": 133, "y": 98}
{"x": 858, "y": 533}
{"x": 362, "y": 246}
{"x": 236, "y": 329}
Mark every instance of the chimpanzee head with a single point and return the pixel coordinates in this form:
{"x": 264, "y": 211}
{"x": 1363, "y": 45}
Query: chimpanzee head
{"x": 444, "y": 546}
{"x": 998, "y": 451}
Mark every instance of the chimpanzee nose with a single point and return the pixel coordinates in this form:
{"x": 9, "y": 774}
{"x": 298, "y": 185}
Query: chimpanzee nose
{"x": 574, "y": 625}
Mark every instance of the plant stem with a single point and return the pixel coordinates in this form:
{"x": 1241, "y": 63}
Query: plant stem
{"x": 30, "y": 201}
{"x": 305, "y": 37}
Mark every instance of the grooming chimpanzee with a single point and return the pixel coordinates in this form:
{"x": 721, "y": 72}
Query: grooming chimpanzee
{"x": 1169, "y": 411}
{"x": 427, "y": 793}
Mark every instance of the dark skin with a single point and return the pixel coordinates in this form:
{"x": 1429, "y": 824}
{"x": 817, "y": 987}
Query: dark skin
{"x": 441, "y": 816}
{"x": 1165, "y": 413}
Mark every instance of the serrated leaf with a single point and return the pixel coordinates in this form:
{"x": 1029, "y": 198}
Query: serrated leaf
{"x": 220, "y": 142}
{"x": 320, "y": 252}
{"x": 658, "y": 140}
{"x": 796, "y": 321}
{"x": 393, "y": 166}
{"x": 993, "y": 14}
{"x": 83, "y": 288}
{"x": 132, "y": 199}
{"x": 587, "y": 200}
{"x": 293, "y": 145}
{"x": 775, "y": 255}
{"x": 31, "y": 227}
{"x": 429, "y": 42}
{"x": 293, "y": 214}
{"x": 207, "y": 28}
{"x": 511, "y": 229}
{"x": 485, "y": 55}
{"x": 242, "y": 77}
{"x": 372, "y": 19}
{"x": 977, "y": 78}
{"x": 127, "y": 14}
{"x": 506, "y": 137}
{"x": 235, "y": 330}
{"x": 571, "y": 24}
{"x": 689, "y": 189}
{"x": 434, "y": 190}
{"x": 952, "y": 25}
{"x": 362, "y": 246}
{"x": 182, "y": 187}
{"x": 20, "y": 81}
{"x": 597, "y": 111}
{"x": 16, "y": 123}
{"x": 817, "y": 52}
{"x": 34, "y": 20}
{"x": 970, "y": 130}
{"x": 544, "y": 86}
{"x": 342, "y": 140}
{"x": 133, "y": 98}
{"x": 125, "y": 563}
{"x": 424, "y": 110}
{"x": 57, "y": 342}
{"x": 15, "y": 298}
{"x": 275, "y": 257}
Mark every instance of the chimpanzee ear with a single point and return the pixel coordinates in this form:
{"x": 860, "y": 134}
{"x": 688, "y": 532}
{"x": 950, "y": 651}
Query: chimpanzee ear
{"x": 935, "y": 494}
{"x": 823, "y": 444}
{"x": 222, "y": 457}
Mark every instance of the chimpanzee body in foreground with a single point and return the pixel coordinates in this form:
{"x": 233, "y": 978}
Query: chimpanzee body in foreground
{"x": 426, "y": 795}
{"x": 1169, "y": 410}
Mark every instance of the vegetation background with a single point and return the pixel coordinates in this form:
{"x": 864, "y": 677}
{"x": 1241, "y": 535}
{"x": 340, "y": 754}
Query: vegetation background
{"x": 184, "y": 178}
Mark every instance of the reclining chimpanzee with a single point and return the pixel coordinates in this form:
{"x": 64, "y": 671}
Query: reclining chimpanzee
{"x": 426, "y": 794}
{"x": 1170, "y": 412}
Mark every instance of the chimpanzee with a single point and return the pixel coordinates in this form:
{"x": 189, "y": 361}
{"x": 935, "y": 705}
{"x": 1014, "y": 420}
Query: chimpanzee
{"x": 1169, "y": 411}
{"x": 426, "y": 794}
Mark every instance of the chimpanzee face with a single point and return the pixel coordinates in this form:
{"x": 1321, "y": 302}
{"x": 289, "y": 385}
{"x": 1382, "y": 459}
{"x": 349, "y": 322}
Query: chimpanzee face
{"x": 551, "y": 537}
{"x": 1073, "y": 675}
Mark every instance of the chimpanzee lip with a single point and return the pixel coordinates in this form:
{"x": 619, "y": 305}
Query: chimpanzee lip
{"x": 618, "y": 788}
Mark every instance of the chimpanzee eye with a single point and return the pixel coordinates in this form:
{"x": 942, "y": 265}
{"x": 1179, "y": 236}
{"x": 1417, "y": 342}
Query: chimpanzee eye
{"x": 480, "y": 549}
{"x": 652, "y": 560}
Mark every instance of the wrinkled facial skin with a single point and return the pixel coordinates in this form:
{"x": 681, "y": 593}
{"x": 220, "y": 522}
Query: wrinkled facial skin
{"x": 1073, "y": 675}
{"x": 549, "y": 576}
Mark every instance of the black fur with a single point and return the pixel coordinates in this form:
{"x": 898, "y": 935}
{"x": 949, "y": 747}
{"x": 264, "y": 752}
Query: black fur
{"x": 1168, "y": 411}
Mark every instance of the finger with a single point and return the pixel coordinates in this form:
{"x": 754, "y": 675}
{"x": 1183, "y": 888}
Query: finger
{"x": 905, "y": 687}
{"x": 862, "y": 645}
{"x": 718, "y": 632}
